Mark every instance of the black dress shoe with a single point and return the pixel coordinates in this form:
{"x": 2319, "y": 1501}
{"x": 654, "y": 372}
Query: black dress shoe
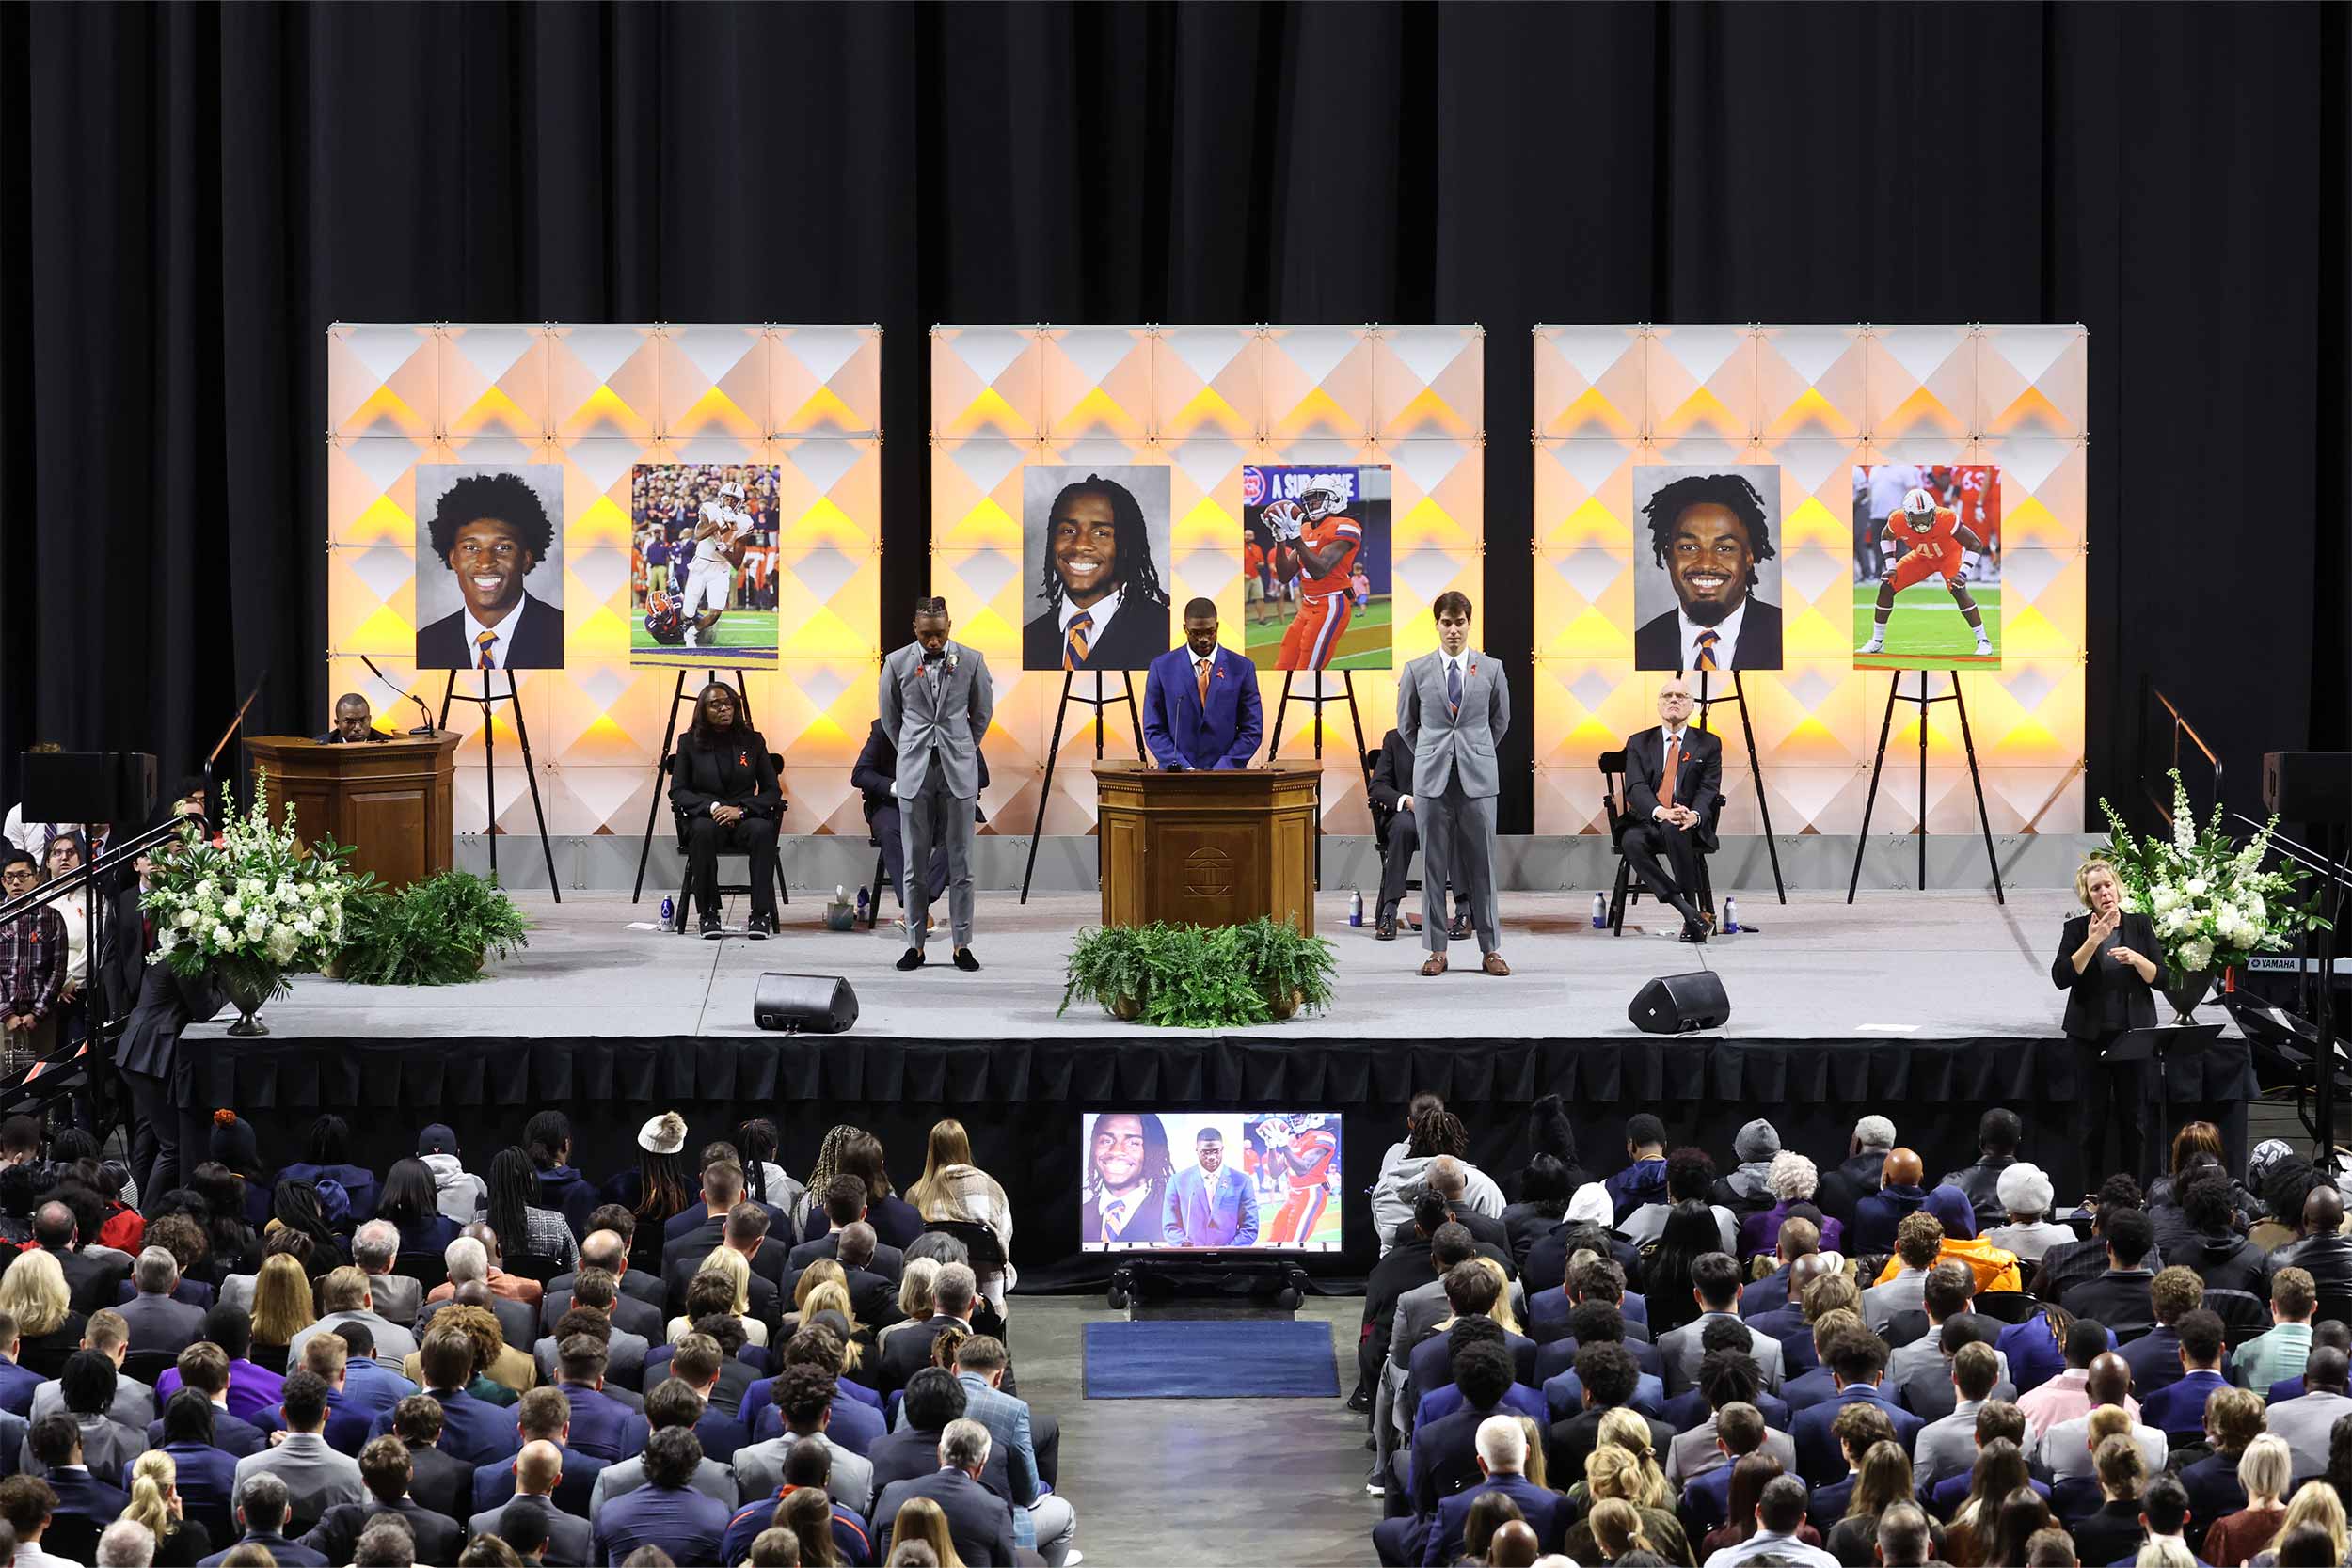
{"x": 760, "y": 927}
{"x": 1694, "y": 931}
{"x": 1384, "y": 929}
{"x": 713, "y": 930}
{"x": 965, "y": 961}
{"x": 911, "y": 958}
{"x": 1460, "y": 929}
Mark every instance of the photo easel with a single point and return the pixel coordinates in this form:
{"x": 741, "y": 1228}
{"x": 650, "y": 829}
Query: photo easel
{"x": 661, "y": 763}
{"x": 1975, "y": 781}
{"x": 1738, "y": 699}
{"x": 1052, "y": 748}
{"x": 488, "y": 702}
{"x": 1318, "y": 698}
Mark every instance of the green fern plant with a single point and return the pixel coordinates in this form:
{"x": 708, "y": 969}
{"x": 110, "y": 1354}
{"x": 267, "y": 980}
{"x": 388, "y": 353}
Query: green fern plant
{"x": 437, "y": 932}
{"x": 1195, "y": 977}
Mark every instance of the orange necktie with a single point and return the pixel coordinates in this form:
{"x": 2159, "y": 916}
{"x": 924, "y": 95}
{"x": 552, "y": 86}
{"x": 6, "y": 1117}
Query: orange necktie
{"x": 483, "y": 643}
{"x": 1707, "y": 640}
{"x": 1073, "y": 648}
{"x": 1674, "y": 765}
{"x": 1204, "y": 686}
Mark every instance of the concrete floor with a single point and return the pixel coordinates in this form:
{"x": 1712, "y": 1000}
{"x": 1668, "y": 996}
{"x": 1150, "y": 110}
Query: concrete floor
{"x": 1183, "y": 1481}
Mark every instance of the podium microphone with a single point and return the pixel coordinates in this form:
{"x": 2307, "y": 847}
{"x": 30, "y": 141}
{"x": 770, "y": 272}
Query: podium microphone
{"x": 424, "y": 729}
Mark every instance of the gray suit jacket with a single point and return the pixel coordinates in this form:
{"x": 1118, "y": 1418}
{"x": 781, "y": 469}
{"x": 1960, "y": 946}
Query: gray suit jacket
{"x": 1945, "y": 1448}
{"x": 759, "y": 1470}
{"x": 568, "y": 1537}
{"x": 1902, "y": 1293}
{"x": 623, "y": 1363}
{"x": 1444, "y": 742}
{"x": 1920, "y": 1374}
{"x": 2305, "y": 1423}
{"x": 134, "y": 1406}
{"x": 944, "y": 714}
{"x": 394, "y": 1342}
{"x": 1681, "y": 1351}
{"x": 397, "y": 1298}
{"x": 316, "y": 1477}
{"x": 1694, "y": 1452}
{"x": 1418, "y": 1310}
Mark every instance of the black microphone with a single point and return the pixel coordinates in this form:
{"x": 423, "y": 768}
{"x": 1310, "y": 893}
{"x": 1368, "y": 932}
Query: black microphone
{"x": 427, "y": 728}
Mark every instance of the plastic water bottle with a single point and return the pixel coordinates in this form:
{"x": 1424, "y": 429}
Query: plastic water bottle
{"x": 861, "y": 905}
{"x": 1356, "y": 907}
{"x": 669, "y": 909}
{"x": 1600, "y": 911}
{"x": 1731, "y": 914}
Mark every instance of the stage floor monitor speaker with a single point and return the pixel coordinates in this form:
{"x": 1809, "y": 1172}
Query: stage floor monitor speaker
{"x": 89, "y": 786}
{"x": 2308, "y": 786}
{"x": 1679, "y": 1004}
{"x": 804, "y": 1004}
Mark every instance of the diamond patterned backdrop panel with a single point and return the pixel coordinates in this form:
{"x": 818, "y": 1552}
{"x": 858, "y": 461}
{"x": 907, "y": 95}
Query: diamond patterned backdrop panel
{"x": 599, "y": 400}
{"x": 1204, "y": 401}
{"x": 1815, "y": 400}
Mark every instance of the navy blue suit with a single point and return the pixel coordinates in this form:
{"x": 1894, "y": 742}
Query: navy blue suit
{"x": 679, "y": 1520}
{"x": 855, "y": 1425}
{"x": 1444, "y": 1458}
{"x": 1560, "y": 1356}
{"x": 231, "y": 1437}
{"x": 1431, "y": 1365}
{"x": 1828, "y": 1504}
{"x": 721, "y": 1435}
{"x": 1180, "y": 733}
{"x": 1820, "y": 1458}
{"x": 1440, "y": 1403}
{"x": 1815, "y": 1387}
{"x": 207, "y": 1477}
{"x": 82, "y": 1494}
{"x": 1787, "y": 1325}
{"x": 473, "y": 1430}
{"x": 1545, "y": 1510}
{"x": 1706, "y": 1500}
{"x": 1768, "y": 1295}
{"x": 2154, "y": 1359}
{"x": 16, "y": 1388}
{"x": 494, "y": 1484}
{"x": 604, "y": 1428}
{"x": 2179, "y": 1406}
{"x": 291, "y": 1554}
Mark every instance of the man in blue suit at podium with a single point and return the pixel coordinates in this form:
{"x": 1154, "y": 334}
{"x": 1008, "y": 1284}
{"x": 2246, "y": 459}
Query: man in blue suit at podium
{"x": 1200, "y": 707}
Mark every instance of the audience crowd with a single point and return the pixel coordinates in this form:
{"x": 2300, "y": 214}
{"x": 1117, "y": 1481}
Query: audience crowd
{"x": 1788, "y": 1362}
{"x": 459, "y": 1360}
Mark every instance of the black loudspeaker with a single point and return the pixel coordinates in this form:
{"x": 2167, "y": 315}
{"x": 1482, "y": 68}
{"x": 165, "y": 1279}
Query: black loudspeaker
{"x": 89, "y": 786}
{"x": 804, "y": 1004}
{"x": 2302, "y": 787}
{"x": 1679, "y": 1004}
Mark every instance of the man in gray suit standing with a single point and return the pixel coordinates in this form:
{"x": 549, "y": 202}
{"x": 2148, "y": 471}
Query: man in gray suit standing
{"x": 1453, "y": 707}
{"x": 936, "y": 699}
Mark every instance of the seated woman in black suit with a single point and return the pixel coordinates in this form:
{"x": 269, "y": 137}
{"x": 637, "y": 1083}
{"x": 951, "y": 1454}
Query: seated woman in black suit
{"x": 2110, "y": 964}
{"x": 724, "y": 785}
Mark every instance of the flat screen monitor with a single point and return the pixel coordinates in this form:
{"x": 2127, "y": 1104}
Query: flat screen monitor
{"x": 1257, "y": 1180}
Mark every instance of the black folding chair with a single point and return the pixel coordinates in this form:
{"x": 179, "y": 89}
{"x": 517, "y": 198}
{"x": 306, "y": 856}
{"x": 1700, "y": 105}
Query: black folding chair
{"x": 678, "y": 819}
{"x": 1628, "y": 886}
{"x": 428, "y": 1269}
{"x": 2006, "y": 1307}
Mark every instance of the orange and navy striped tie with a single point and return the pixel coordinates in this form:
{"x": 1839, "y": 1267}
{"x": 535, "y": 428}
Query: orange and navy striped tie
{"x": 483, "y": 643}
{"x": 1707, "y": 640}
{"x": 1073, "y": 641}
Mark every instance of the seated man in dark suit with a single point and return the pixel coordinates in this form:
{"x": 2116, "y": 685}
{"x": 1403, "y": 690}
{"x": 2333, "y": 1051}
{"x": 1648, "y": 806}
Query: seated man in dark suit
{"x": 1787, "y": 1321}
{"x": 599, "y": 1289}
{"x": 1472, "y": 1290}
{"x": 873, "y": 1296}
{"x": 262, "y": 1505}
{"x": 1399, "y": 829}
{"x": 1502, "y": 1457}
{"x": 1691, "y": 1408}
{"x": 605, "y": 1248}
{"x": 440, "y": 1480}
{"x": 1598, "y": 1278}
{"x": 1597, "y": 1322}
{"x": 1445, "y": 1456}
{"x": 2120, "y": 1298}
{"x": 1858, "y": 1428}
{"x": 667, "y": 1512}
{"x": 544, "y": 1417}
{"x": 1607, "y": 1379}
{"x": 601, "y": 1426}
{"x": 1799, "y": 1238}
{"x": 845, "y": 1204}
{"x": 384, "y": 1468}
{"x": 92, "y": 1282}
{"x": 2233, "y": 1418}
{"x": 1858, "y": 1362}
{"x": 1739, "y": 1430}
{"x": 979, "y": 1522}
{"x": 909, "y": 1351}
{"x": 694, "y": 1231}
{"x": 537, "y": 1479}
{"x": 875, "y": 775}
{"x": 1670, "y": 812}
{"x": 934, "y": 1397}
{"x": 473, "y": 1430}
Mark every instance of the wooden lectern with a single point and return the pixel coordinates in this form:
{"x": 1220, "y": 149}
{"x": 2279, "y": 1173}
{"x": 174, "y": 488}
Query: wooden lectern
{"x": 1206, "y": 849}
{"x": 389, "y": 800}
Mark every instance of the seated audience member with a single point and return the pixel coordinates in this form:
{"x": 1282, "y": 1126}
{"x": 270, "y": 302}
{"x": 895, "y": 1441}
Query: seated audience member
{"x": 639, "y": 1298}
{"x": 346, "y": 1295}
{"x": 1618, "y": 1477}
{"x": 501, "y": 1373}
{"x": 2233, "y": 1419}
{"x": 542, "y": 1416}
{"x": 328, "y": 1158}
{"x": 1543, "y": 1203}
{"x": 726, "y": 1285}
{"x": 385, "y": 1470}
{"x": 1502, "y": 1459}
{"x": 669, "y": 1406}
{"x": 1730, "y": 1354}
{"x": 2119, "y": 1298}
{"x": 601, "y": 1425}
{"x": 1880, "y": 1479}
{"x": 440, "y": 1480}
{"x": 282, "y": 1308}
{"x": 1946, "y": 1446}
{"x": 2330, "y": 1334}
{"x": 953, "y": 1292}
{"x": 1689, "y": 1179}
{"x": 412, "y": 1203}
{"x": 1607, "y": 1379}
{"x": 533, "y": 1502}
{"x": 1901, "y": 1194}
{"x": 1861, "y": 1172}
{"x": 1715, "y": 1288}
{"x": 108, "y": 1336}
{"x": 2281, "y": 1352}
{"x": 153, "y": 1317}
{"x": 2024, "y": 1193}
{"x": 1039, "y": 1516}
{"x": 516, "y": 1219}
{"x": 2113, "y": 1529}
{"x": 2211, "y": 1243}
{"x": 473, "y": 1258}
{"x": 1773, "y": 1528}
{"x": 548, "y": 1140}
{"x": 934, "y": 1398}
{"x": 1445, "y": 1456}
{"x": 1919, "y": 1240}
{"x": 1597, "y": 1322}
{"x": 316, "y": 1477}
{"x": 1739, "y": 1430}
{"x": 666, "y": 1510}
{"x": 102, "y": 1446}
{"x": 206, "y": 1369}
{"x": 2313, "y": 1532}
{"x": 206, "y": 1476}
{"x": 2000, "y": 1469}
{"x": 1644, "y": 1177}
{"x": 1791, "y": 1181}
{"x": 1904, "y": 1538}
{"x": 1919, "y": 1370}
{"x": 33, "y": 1291}
{"x": 1831, "y": 1304}
{"x": 2069, "y": 1263}
{"x": 53, "y": 1453}
{"x": 1998, "y": 1134}
{"x": 1858, "y": 1363}
{"x": 395, "y": 1297}
{"x": 823, "y": 1528}
{"x": 2155, "y": 1357}
{"x": 2066, "y": 1448}
{"x": 625, "y": 1353}
{"x": 2264, "y": 1474}
{"x": 1472, "y": 1290}
{"x": 1798, "y": 1237}
{"x": 472, "y": 1429}
{"x": 2067, "y": 1395}
{"x": 262, "y": 1505}
{"x": 852, "y": 1151}
{"x": 979, "y": 1523}
{"x": 2167, "y": 1517}
{"x": 2179, "y": 1406}
{"x": 2307, "y": 1422}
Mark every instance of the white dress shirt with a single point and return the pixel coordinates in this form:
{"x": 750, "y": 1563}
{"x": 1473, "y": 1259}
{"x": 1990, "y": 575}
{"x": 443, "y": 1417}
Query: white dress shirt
{"x": 1102, "y": 610}
{"x": 1726, "y": 637}
{"x": 505, "y": 631}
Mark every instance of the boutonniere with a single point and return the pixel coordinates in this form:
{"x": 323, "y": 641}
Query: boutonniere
{"x": 953, "y": 659}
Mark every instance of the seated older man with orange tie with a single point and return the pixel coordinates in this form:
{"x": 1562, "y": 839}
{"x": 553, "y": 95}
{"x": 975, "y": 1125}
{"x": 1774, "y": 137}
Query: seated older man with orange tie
{"x": 1672, "y": 788}
{"x": 1200, "y": 707}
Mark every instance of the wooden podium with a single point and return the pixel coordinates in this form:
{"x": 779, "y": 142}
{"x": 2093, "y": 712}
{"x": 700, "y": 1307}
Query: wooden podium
{"x": 389, "y": 800}
{"x": 1206, "y": 849}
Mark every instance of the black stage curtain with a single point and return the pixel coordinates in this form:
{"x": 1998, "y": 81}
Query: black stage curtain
{"x": 189, "y": 194}
{"x": 1022, "y": 1099}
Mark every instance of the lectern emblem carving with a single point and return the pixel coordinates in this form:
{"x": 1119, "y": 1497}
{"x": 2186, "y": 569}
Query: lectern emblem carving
{"x": 1208, "y": 874}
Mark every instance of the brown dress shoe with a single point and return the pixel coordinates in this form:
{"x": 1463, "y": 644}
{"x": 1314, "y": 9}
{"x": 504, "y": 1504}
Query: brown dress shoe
{"x": 1435, "y": 964}
{"x": 1493, "y": 964}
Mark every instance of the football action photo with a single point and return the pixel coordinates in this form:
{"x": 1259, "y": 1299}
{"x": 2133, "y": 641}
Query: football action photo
{"x": 1315, "y": 568}
{"x": 1927, "y": 566}
{"x": 1267, "y": 1180}
{"x": 702, "y": 564}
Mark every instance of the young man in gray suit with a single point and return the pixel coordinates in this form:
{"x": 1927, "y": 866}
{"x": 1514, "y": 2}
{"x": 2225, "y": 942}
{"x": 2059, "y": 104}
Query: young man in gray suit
{"x": 1452, "y": 708}
{"x": 936, "y": 699}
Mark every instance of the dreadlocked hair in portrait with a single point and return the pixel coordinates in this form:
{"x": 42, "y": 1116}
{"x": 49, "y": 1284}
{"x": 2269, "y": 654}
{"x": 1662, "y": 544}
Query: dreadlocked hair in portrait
{"x": 1732, "y": 492}
{"x": 1159, "y": 1169}
{"x": 1139, "y": 574}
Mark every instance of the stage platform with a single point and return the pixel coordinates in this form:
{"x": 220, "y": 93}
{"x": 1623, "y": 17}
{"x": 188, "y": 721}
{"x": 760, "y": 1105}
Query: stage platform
{"x": 1928, "y": 1008}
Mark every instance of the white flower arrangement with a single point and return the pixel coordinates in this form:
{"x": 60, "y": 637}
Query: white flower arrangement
{"x": 253, "y": 902}
{"x": 2211, "y": 901}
